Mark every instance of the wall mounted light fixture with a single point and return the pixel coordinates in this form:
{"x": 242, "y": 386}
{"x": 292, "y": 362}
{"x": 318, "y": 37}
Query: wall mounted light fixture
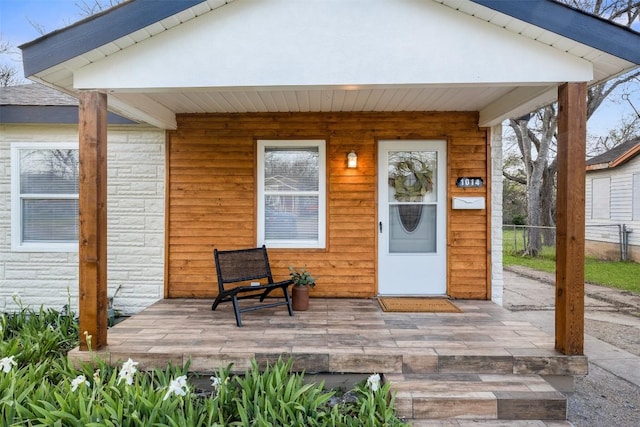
{"x": 352, "y": 160}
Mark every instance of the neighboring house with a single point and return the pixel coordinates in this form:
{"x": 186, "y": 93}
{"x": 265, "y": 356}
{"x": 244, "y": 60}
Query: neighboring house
{"x": 613, "y": 203}
{"x": 39, "y": 203}
{"x": 263, "y": 101}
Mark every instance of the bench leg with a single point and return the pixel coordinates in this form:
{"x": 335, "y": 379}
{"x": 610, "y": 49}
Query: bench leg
{"x": 288, "y": 298}
{"x": 236, "y": 309}
{"x": 216, "y": 302}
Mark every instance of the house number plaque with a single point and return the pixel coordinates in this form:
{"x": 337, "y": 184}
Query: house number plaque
{"x": 469, "y": 182}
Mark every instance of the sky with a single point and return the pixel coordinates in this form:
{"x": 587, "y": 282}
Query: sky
{"x": 15, "y": 27}
{"x": 50, "y": 14}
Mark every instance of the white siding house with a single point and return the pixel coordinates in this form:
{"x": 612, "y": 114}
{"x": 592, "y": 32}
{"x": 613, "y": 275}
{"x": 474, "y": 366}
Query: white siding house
{"x": 38, "y": 219}
{"x": 613, "y": 202}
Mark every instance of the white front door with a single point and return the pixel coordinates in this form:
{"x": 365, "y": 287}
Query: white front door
{"x": 412, "y": 210}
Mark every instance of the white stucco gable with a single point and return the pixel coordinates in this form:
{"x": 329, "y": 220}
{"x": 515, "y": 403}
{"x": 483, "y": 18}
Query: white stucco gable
{"x": 501, "y": 59}
{"x": 321, "y": 44}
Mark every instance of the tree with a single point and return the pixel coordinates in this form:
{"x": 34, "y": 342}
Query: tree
{"x": 91, "y": 7}
{"x": 535, "y": 134}
{"x": 87, "y": 8}
{"x": 627, "y": 129}
{"x": 9, "y": 75}
{"x": 514, "y": 207}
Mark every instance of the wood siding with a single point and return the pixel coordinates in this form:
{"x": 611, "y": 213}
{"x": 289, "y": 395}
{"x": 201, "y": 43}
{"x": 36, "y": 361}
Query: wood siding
{"x": 211, "y": 197}
{"x": 602, "y": 240}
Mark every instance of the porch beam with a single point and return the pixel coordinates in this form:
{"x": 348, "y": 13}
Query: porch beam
{"x": 570, "y": 218}
{"x": 93, "y": 301}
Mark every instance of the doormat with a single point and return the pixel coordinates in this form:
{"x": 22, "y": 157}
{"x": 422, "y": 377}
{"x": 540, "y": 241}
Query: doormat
{"x": 417, "y": 305}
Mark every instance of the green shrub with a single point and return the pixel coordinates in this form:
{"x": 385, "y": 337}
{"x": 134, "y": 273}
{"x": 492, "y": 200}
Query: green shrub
{"x": 519, "y": 220}
{"x": 31, "y": 336}
{"x": 278, "y": 396}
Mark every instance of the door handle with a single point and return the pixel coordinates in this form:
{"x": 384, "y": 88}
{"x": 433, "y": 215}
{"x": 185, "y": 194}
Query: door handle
{"x": 380, "y": 226}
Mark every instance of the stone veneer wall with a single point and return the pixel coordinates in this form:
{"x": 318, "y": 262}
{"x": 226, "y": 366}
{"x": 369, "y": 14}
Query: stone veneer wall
{"x": 135, "y": 224}
{"x": 497, "y": 281}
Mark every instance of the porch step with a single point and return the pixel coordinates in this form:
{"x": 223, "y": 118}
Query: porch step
{"x": 497, "y": 397}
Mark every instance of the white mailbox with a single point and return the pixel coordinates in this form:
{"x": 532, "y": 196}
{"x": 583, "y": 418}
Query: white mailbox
{"x": 468, "y": 203}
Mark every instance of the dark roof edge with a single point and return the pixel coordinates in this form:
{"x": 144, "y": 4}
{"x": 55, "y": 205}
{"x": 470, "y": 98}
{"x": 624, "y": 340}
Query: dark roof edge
{"x": 50, "y": 114}
{"x": 618, "y": 155}
{"x": 574, "y": 24}
{"x": 95, "y": 31}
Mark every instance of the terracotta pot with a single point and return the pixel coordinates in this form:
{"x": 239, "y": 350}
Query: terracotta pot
{"x": 300, "y": 298}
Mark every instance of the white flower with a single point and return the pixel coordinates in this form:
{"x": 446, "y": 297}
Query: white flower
{"x": 96, "y": 376}
{"x": 88, "y": 338}
{"x": 373, "y": 382}
{"x": 215, "y": 382}
{"x": 80, "y": 379}
{"x": 6, "y": 363}
{"x": 127, "y": 371}
{"x": 177, "y": 387}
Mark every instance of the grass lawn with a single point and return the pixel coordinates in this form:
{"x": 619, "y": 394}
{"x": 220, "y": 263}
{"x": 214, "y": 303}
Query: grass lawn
{"x": 614, "y": 274}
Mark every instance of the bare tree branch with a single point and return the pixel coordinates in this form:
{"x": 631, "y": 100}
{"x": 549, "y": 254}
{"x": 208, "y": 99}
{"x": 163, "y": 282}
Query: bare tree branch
{"x": 518, "y": 179}
{"x": 536, "y": 134}
{"x": 598, "y": 93}
{"x": 91, "y": 7}
{"x": 38, "y": 27}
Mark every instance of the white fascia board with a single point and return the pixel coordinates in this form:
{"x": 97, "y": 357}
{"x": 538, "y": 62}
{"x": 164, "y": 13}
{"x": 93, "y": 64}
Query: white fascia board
{"x": 141, "y": 108}
{"x": 517, "y": 103}
{"x": 284, "y": 43}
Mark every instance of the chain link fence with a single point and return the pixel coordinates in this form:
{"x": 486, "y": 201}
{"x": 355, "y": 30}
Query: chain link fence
{"x": 516, "y": 238}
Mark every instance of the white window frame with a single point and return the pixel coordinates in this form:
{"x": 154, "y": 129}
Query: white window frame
{"x": 322, "y": 195}
{"x": 17, "y": 244}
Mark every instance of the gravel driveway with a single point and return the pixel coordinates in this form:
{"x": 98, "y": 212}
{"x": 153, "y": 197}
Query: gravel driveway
{"x": 600, "y": 399}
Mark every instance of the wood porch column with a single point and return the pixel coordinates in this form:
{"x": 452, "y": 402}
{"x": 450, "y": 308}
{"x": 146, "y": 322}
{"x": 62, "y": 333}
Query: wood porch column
{"x": 570, "y": 218}
{"x": 92, "y": 128}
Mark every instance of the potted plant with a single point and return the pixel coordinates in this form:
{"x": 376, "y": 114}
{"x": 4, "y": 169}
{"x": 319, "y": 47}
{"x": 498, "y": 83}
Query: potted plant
{"x": 302, "y": 281}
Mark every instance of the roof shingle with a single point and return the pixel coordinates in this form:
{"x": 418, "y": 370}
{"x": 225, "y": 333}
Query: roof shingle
{"x": 616, "y": 156}
{"x": 35, "y": 94}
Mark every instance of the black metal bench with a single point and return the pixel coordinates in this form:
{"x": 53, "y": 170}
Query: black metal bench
{"x": 247, "y": 265}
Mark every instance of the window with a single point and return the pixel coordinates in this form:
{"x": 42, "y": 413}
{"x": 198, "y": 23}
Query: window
{"x": 44, "y": 197}
{"x": 291, "y": 194}
{"x": 600, "y": 198}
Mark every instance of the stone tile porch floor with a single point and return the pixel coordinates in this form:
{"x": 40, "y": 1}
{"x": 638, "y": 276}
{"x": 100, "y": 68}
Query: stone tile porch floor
{"x": 337, "y": 336}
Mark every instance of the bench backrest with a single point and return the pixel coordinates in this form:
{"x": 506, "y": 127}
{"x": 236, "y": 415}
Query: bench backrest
{"x": 242, "y": 265}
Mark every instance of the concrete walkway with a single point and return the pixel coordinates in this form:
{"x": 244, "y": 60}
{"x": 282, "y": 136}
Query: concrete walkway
{"x": 531, "y": 294}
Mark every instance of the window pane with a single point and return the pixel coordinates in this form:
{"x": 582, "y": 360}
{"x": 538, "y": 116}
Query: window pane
{"x": 291, "y": 217}
{"x": 412, "y": 176}
{"x": 412, "y": 229}
{"x": 600, "y": 198}
{"x": 636, "y": 197}
{"x": 49, "y": 220}
{"x": 49, "y": 171}
{"x": 291, "y": 169}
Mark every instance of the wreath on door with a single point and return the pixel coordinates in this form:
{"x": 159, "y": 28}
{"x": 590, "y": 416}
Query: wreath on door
{"x": 411, "y": 180}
